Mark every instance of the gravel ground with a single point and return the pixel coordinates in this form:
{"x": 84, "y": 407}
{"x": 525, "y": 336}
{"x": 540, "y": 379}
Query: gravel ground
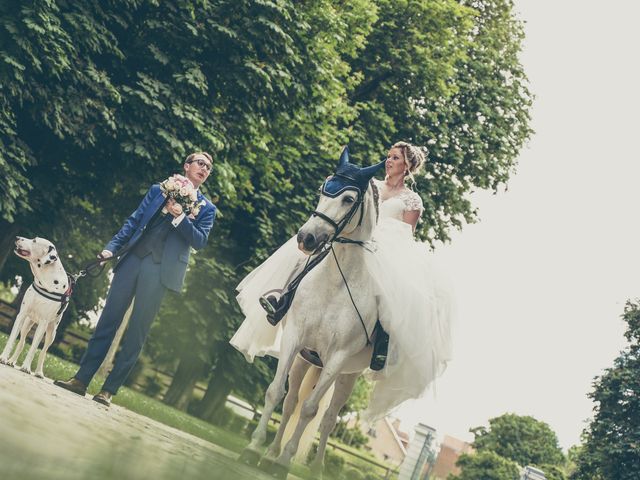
{"x": 49, "y": 433}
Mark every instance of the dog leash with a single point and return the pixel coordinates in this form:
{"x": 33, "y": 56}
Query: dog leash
{"x": 63, "y": 298}
{"x": 99, "y": 264}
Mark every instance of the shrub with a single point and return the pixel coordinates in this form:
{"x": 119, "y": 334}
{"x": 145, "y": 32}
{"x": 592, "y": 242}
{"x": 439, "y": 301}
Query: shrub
{"x": 353, "y": 474}
{"x": 153, "y": 385}
{"x": 333, "y": 464}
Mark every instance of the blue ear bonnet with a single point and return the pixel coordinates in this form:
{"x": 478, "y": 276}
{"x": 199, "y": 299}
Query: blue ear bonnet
{"x": 349, "y": 177}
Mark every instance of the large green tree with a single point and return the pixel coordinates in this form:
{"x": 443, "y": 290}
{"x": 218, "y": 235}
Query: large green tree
{"x": 486, "y": 465}
{"x": 100, "y": 99}
{"x": 522, "y": 439}
{"x": 446, "y": 75}
{"x": 611, "y": 442}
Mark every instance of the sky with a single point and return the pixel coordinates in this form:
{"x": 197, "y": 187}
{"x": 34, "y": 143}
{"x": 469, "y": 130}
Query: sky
{"x": 541, "y": 281}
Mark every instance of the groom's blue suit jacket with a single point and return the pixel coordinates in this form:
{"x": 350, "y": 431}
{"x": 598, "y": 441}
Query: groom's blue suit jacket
{"x": 189, "y": 233}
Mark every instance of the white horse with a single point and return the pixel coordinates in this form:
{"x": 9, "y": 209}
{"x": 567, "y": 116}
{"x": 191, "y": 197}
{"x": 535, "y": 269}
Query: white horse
{"x": 334, "y": 313}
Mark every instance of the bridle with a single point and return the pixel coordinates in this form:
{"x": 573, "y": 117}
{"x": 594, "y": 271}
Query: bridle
{"x": 339, "y": 227}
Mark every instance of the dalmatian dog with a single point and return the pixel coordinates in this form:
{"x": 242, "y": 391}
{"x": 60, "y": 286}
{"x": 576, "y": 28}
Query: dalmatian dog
{"x": 43, "y": 305}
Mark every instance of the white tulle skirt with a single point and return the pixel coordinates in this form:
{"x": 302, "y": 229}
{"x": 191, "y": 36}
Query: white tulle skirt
{"x": 416, "y": 310}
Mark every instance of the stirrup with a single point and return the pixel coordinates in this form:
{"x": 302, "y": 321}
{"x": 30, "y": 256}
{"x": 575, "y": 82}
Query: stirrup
{"x": 269, "y": 304}
{"x": 378, "y": 362}
{"x": 269, "y": 301}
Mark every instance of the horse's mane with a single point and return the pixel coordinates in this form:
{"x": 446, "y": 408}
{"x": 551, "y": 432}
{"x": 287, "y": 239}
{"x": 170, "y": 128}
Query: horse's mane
{"x": 376, "y": 198}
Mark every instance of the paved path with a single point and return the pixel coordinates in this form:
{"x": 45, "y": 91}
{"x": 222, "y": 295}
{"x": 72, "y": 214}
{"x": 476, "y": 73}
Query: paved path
{"x": 49, "y": 433}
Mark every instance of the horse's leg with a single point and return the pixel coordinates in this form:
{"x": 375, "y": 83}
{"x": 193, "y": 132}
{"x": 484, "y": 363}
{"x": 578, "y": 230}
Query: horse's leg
{"x": 344, "y": 387}
{"x": 296, "y": 375}
{"x": 273, "y": 396}
{"x": 330, "y": 372}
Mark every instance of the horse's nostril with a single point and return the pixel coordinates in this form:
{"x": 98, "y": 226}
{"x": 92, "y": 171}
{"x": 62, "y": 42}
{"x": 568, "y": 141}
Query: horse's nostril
{"x": 300, "y": 237}
{"x": 310, "y": 242}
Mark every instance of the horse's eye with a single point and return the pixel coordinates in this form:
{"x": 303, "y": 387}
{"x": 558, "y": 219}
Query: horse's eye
{"x": 348, "y": 200}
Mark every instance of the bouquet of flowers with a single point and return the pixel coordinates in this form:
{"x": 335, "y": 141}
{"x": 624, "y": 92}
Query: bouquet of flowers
{"x": 183, "y": 192}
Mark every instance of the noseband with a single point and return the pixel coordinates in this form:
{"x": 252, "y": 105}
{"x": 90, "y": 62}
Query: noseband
{"x": 340, "y": 225}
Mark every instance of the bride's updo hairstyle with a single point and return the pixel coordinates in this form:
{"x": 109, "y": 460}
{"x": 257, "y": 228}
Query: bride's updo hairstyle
{"x": 414, "y": 158}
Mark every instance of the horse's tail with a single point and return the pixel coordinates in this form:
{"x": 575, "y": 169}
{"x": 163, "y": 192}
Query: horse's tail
{"x": 306, "y": 441}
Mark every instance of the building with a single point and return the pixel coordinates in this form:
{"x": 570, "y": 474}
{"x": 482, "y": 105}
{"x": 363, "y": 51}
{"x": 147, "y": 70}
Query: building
{"x": 420, "y": 454}
{"x": 450, "y": 449}
{"x": 387, "y": 442}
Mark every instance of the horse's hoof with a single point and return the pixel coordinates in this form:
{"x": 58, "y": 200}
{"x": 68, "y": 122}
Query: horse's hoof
{"x": 3, "y": 361}
{"x": 249, "y": 457}
{"x": 39, "y": 375}
{"x": 273, "y": 468}
{"x": 26, "y": 370}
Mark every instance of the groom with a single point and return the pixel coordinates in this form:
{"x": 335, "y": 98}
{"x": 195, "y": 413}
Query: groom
{"x": 155, "y": 252}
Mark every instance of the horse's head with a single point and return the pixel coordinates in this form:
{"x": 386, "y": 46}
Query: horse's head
{"x": 345, "y": 207}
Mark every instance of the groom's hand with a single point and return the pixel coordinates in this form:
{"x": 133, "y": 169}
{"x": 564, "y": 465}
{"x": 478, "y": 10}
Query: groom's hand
{"x": 105, "y": 254}
{"x": 173, "y": 207}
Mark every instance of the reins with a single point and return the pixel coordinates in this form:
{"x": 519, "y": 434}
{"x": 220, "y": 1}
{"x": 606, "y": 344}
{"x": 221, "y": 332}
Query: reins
{"x": 63, "y": 298}
{"x": 366, "y": 334}
{"x": 328, "y": 246}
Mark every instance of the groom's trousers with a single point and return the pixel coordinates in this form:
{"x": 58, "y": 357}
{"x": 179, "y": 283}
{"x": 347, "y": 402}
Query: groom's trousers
{"x": 136, "y": 279}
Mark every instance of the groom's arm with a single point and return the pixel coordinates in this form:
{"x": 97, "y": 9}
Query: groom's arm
{"x": 196, "y": 232}
{"x": 131, "y": 224}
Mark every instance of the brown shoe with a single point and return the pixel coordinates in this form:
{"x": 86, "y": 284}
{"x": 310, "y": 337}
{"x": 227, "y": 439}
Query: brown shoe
{"x": 103, "y": 398}
{"x": 73, "y": 385}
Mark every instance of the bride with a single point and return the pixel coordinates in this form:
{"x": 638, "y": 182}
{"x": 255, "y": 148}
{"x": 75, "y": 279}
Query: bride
{"x": 413, "y": 344}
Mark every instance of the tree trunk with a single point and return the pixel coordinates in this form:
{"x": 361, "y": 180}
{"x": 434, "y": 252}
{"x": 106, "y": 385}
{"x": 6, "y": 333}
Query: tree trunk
{"x": 7, "y": 240}
{"x": 184, "y": 380}
{"x": 107, "y": 364}
{"x": 215, "y": 397}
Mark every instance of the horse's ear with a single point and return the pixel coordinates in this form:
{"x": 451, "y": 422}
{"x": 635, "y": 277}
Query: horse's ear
{"x": 344, "y": 157}
{"x": 369, "y": 172}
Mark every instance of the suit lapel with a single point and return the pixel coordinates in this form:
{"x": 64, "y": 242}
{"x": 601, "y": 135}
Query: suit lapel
{"x": 153, "y": 208}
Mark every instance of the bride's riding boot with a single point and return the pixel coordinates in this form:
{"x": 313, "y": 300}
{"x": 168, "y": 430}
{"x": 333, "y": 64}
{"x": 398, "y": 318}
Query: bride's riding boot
{"x": 276, "y": 307}
{"x": 380, "y": 348}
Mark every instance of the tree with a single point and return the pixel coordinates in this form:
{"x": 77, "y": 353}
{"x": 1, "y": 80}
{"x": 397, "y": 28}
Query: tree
{"x": 486, "y": 465}
{"x": 99, "y": 99}
{"x": 522, "y": 439}
{"x": 554, "y": 472}
{"x": 446, "y": 75}
{"x": 611, "y": 442}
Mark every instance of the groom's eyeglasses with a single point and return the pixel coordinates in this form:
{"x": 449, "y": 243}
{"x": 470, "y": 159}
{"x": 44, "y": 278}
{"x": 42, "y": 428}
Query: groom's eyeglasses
{"x": 202, "y": 164}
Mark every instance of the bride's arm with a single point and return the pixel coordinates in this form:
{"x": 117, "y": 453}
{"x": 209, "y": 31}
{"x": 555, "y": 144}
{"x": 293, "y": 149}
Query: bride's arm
{"x": 411, "y": 217}
{"x": 413, "y": 209}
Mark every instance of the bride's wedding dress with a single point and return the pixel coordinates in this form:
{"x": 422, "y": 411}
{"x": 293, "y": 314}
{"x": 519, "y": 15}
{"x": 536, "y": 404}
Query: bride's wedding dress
{"x": 415, "y": 307}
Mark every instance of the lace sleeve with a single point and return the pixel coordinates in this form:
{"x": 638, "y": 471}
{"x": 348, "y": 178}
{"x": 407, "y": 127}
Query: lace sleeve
{"x": 412, "y": 201}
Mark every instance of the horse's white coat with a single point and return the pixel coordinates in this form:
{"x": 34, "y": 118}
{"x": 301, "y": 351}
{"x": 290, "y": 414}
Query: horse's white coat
{"x": 323, "y": 318}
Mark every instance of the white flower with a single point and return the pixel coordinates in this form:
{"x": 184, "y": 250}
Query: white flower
{"x": 170, "y": 185}
{"x": 184, "y": 192}
{"x": 193, "y": 195}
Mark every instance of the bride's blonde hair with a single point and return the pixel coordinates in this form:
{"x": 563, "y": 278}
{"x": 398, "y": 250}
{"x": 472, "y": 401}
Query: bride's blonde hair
{"x": 414, "y": 158}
